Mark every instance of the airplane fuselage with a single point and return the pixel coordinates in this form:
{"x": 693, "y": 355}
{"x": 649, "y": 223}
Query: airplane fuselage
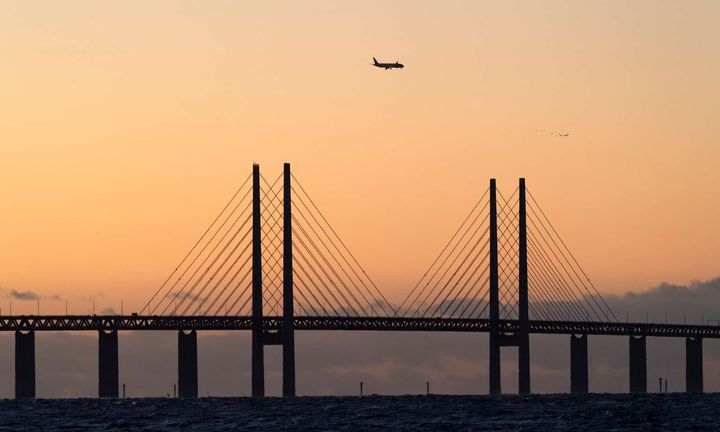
{"x": 386, "y": 66}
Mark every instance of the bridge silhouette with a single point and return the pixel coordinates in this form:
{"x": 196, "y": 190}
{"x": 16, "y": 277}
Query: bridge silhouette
{"x": 271, "y": 263}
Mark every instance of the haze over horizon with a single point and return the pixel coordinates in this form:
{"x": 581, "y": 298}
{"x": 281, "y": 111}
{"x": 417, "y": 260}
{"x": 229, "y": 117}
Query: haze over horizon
{"x": 126, "y": 126}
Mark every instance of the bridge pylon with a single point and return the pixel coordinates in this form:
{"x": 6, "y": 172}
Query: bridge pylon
{"x": 498, "y": 339}
{"x": 288, "y": 304}
{"x": 285, "y": 336}
{"x": 523, "y": 314}
{"x": 257, "y": 357}
{"x": 494, "y": 361}
{"x": 269, "y": 258}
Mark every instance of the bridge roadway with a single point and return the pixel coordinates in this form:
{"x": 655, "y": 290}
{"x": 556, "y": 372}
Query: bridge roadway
{"x": 274, "y": 323}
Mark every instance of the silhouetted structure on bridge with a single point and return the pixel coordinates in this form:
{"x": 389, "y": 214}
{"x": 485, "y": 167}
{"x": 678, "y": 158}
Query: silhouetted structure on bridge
{"x": 271, "y": 263}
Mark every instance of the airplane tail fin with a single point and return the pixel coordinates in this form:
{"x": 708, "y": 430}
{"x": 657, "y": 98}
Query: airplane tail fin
{"x": 375, "y": 60}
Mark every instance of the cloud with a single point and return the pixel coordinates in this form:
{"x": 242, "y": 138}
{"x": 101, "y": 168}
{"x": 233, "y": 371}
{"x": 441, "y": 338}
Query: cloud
{"x": 689, "y": 303}
{"x": 182, "y": 295}
{"x": 28, "y": 295}
{"x": 23, "y": 295}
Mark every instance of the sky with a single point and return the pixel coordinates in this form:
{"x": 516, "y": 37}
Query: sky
{"x": 125, "y": 126}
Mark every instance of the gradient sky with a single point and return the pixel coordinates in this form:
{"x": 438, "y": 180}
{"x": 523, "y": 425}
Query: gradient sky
{"x": 125, "y": 126}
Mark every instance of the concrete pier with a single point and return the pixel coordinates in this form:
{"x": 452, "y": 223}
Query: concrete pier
{"x": 578, "y": 364}
{"x": 187, "y": 364}
{"x": 638, "y": 364}
{"x": 694, "y": 365}
{"x": 108, "y": 382}
{"x": 24, "y": 365}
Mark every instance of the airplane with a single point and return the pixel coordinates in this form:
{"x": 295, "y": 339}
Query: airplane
{"x": 396, "y": 65}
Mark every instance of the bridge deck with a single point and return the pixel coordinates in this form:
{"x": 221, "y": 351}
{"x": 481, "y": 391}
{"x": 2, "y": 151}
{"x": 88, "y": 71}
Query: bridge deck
{"x": 274, "y": 323}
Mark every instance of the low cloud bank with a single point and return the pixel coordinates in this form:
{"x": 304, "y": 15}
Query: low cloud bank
{"x": 23, "y": 295}
{"x": 27, "y": 295}
{"x": 679, "y": 303}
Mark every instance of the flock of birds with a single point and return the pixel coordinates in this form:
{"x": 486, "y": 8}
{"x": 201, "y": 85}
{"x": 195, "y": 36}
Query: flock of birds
{"x": 553, "y": 133}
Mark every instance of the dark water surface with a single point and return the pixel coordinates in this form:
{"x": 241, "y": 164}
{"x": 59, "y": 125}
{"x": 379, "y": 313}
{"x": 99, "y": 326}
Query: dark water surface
{"x": 405, "y": 413}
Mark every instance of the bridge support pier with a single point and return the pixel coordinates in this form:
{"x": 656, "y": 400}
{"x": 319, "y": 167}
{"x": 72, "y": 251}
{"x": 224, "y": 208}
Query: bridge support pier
{"x": 288, "y": 363}
{"x": 523, "y": 363}
{"x": 258, "y": 365}
{"x": 24, "y": 365}
{"x": 638, "y": 364}
{"x": 694, "y": 365}
{"x": 108, "y": 364}
{"x": 495, "y": 375}
{"x": 578, "y": 364}
{"x": 187, "y": 364}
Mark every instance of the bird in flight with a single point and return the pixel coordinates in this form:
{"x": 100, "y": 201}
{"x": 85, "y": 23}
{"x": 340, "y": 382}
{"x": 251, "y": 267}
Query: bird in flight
{"x": 553, "y": 133}
{"x": 386, "y": 66}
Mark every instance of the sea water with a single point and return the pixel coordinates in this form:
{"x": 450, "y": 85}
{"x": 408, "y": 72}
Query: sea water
{"x": 602, "y": 412}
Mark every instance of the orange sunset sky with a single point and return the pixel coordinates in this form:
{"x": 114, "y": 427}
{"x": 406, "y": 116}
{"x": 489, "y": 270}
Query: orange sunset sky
{"x": 125, "y": 126}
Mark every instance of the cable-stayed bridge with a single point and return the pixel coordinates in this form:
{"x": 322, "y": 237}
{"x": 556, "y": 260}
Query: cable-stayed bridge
{"x": 271, "y": 263}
